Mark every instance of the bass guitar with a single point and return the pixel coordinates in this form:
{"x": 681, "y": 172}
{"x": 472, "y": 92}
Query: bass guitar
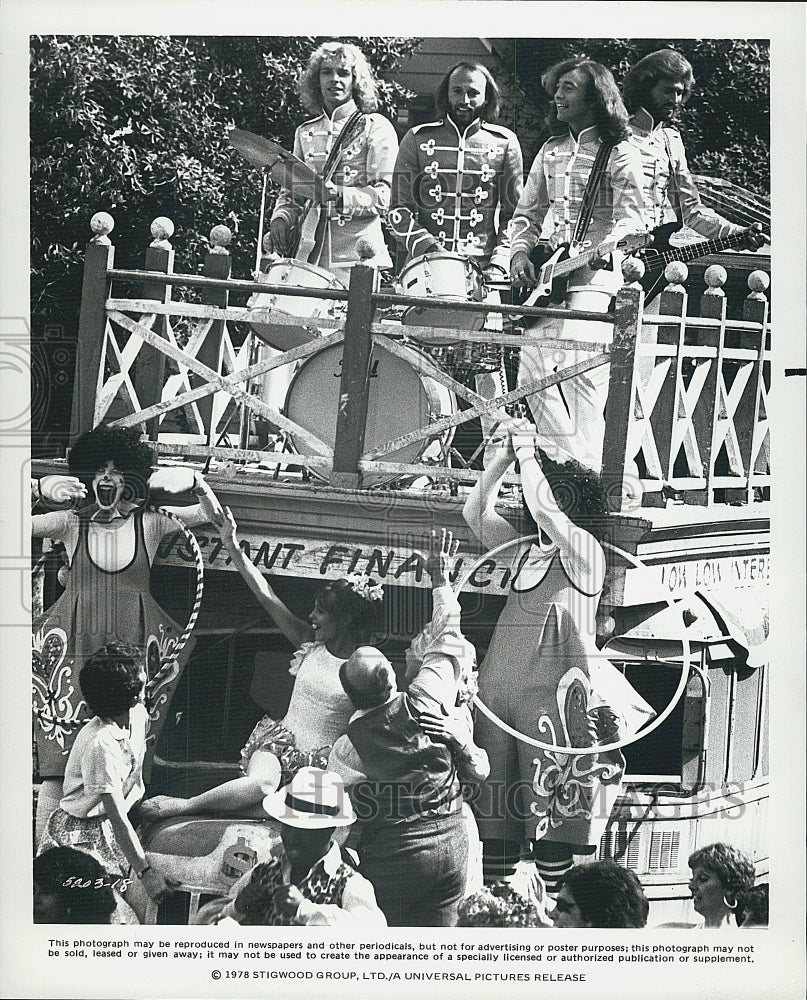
{"x": 551, "y": 275}
{"x": 660, "y": 252}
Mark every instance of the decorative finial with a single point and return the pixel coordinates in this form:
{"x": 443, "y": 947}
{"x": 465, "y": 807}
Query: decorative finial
{"x": 759, "y": 282}
{"x": 676, "y": 273}
{"x": 101, "y": 225}
{"x": 632, "y": 270}
{"x": 715, "y": 277}
{"x": 220, "y": 238}
{"x": 162, "y": 229}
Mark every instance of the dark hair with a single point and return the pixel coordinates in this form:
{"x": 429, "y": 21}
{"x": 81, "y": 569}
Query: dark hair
{"x": 110, "y": 679}
{"x": 339, "y": 599}
{"x": 734, "y": 869}
{"x": 490, "y": 109}
{"x": 79, "y": 905}
{"x": 753, "y": 903}
{"x": 375, "y": 690}
{"x": 607, "y": 894}
{"x": 610, "y": 114}
{"x": 121, "y": 446}
{"x": 666, "y": 64}
{"x": 578, "y": 491}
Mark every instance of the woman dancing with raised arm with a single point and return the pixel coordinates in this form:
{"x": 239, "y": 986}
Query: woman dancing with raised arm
{"x": 542, "y": 674}
{"x": 319, "y": 710}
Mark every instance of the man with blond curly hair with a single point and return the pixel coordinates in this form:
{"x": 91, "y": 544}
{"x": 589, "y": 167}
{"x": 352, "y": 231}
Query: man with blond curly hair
{"x": 352, "y": 149}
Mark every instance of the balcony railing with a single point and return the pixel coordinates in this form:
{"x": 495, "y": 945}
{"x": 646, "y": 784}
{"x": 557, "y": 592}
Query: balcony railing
{"x": 687, "y": 396}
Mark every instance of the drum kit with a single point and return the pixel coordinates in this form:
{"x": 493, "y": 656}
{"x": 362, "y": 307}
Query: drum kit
{"x": 403, "y": 396}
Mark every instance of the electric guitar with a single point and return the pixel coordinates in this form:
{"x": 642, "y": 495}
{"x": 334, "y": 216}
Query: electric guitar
{"x": 660, "y": 253}
{"x": 550, "y": 275}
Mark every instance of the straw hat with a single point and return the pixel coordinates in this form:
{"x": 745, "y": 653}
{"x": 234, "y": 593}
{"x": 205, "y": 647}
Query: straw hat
{"x": 314, "y": 799}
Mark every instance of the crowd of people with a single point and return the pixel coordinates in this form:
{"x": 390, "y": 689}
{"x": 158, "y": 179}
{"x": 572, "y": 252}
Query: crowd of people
{"x": 394, "y": 804}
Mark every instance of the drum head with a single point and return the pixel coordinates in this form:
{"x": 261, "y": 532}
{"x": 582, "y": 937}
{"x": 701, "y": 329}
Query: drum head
{"x": 298, "y": 274}
{"x": 400, "y": 400}
{"x": 447, "y": 277}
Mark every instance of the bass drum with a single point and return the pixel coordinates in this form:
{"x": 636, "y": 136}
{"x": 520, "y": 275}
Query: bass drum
{"x": 402, "y": 399}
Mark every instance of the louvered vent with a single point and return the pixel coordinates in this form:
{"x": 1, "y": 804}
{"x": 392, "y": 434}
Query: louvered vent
{"x": 613, "y": 848}
{"x": 664, "y": 847}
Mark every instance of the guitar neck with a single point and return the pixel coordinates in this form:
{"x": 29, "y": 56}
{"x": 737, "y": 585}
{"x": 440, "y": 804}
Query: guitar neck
{"x": 573, "y": 263}
{"x": 694, "y": 250}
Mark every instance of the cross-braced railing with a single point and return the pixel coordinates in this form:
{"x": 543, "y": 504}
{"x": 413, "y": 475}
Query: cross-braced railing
{"x": 687, "y": 394}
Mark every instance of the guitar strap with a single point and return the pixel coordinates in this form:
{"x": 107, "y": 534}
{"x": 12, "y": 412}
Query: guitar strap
{"x": 593, "y": 185}
{"x": 673, "y": 192}
{"x": 348, "y": 131}
{"x": 328, "y": 170}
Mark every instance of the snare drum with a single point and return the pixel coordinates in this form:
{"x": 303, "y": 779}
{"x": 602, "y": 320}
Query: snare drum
{"x": 402, "y": 399}
{"x": 298, "y": 274}
{"x": 448, "y": 276}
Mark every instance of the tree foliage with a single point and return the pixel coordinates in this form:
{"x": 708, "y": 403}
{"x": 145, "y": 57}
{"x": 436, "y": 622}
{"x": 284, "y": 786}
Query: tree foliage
{"x": 137, "y": 126}
{"x": 725, "y": 125}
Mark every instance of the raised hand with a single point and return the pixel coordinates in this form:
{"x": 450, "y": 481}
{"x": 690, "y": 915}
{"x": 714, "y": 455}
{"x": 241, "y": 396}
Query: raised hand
{"x": 60, "y": 489}
{"x": 441, "y": 553}
{"x": 522, "y": 434}
{"x": 227, "y": 528}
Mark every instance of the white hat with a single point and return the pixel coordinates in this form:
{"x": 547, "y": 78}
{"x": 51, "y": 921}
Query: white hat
{"x": 313, "y": 799}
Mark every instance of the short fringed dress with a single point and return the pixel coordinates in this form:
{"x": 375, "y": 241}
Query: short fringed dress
{"x": 318, "y": 714}
{"x": 537, "y": 678}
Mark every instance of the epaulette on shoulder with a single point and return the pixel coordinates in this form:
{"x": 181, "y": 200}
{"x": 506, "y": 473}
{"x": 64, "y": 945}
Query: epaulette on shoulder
{"x": 499, "y": 129}
{"x": 419, "y": 128}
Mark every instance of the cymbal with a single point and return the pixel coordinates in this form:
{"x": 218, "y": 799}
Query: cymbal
{"x": 284, "y": 167}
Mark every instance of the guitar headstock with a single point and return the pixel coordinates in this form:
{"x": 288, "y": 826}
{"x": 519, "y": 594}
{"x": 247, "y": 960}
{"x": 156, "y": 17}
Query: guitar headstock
{"x": 635, "y": 241}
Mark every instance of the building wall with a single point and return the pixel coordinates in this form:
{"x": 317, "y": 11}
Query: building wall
{"x": 424, "y": 70}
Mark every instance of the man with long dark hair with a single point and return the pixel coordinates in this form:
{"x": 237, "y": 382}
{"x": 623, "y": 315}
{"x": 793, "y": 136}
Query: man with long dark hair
{"x": 655, "y": 90}
{"x": 587, "y": 114}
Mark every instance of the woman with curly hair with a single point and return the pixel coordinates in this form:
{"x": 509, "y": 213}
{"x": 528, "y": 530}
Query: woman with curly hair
{"x": 600, "y": 894}
{"x": 720, "y": 874}
{"x": 111, "y": 539}
{"x": 543, "y": 676}
{"x": 352, "y": 148}
{"x": 591, "y": 122}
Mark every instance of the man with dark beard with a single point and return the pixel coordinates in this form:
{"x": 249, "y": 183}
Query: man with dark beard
{"x": 453, "y": 174}
{"x": 456, "y": 185}
{"x": 655, "y": 90}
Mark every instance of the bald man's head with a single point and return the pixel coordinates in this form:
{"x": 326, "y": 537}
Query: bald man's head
{"x": 367, "y": 678}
